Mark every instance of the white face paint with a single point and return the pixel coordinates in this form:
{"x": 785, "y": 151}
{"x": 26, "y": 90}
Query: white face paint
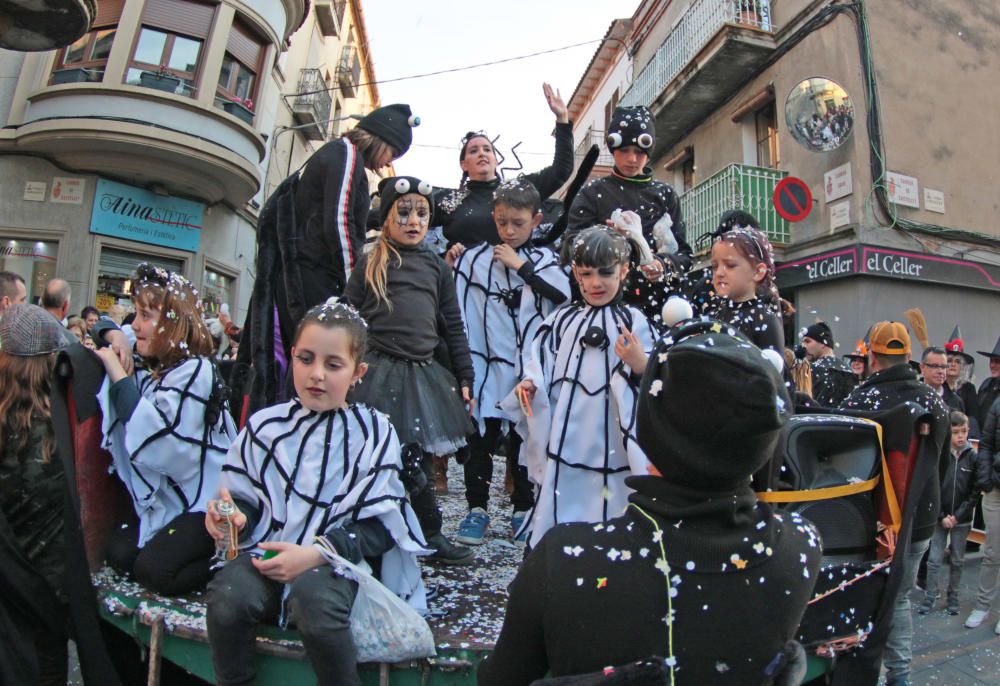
{"x": 409, "y": 219}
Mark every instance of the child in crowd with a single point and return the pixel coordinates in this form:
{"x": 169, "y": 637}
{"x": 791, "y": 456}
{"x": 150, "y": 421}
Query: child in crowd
{"x": 578, "y": 394}
{"x": 505, "y": 291}
{"x": 168, "y": 428}
{"x": 406, "y": 293}
{"x": 745, "y": 296}
{"x": 958, "y": 500}
{"x": 315, "y": 466}
{"x": 630, "y": 186}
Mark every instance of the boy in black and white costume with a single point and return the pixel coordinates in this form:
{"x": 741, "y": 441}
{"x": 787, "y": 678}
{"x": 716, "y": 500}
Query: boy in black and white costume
{"x": 582, "y": 382}
{"x": 505, "y": 291}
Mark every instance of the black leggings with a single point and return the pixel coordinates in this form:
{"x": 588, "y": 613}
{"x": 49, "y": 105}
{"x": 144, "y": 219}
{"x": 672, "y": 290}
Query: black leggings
{"x": 479, "y": 468}
{"x": 176, "y": 560}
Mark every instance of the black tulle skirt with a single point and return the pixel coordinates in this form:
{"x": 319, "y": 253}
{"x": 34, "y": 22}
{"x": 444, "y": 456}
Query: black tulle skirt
{"x": 423, "y": 401}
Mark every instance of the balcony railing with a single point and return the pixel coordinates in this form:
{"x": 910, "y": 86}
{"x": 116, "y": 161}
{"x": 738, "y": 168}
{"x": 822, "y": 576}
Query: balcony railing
{"x": 349, "y": 70}
{"x": 697, "y": 27}
{"x": 593, "y": 137}
{"x": 312, "y": 105}
{"x": 737, "y": 187}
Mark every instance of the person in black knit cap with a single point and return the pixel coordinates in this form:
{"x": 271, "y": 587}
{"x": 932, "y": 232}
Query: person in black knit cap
{"x": 695, "y": 560}
{"x": 630, "y": 187}
{"x": 833, "y": 379}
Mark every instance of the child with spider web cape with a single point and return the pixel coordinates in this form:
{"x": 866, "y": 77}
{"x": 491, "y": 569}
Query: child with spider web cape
{"x": 575, "y": 406}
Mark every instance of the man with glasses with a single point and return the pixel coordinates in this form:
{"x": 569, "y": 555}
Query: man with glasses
{"x": 934, "y": 368}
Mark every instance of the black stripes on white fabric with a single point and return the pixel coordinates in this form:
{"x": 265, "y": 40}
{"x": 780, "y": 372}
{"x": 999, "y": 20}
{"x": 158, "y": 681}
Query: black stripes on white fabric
{"x": 580, "y": 442}
{"x": 167, "y": 455}
{"x": 310, "y": 472}
{"x": 501, "y": 314}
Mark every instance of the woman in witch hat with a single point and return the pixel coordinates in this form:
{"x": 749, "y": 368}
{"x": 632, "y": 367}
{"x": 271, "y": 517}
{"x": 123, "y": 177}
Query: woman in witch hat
{"x": 989, "y": 390}
{"x": 960, "y": 367}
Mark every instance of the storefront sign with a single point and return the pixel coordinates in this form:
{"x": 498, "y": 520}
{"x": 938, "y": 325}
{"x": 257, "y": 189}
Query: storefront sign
{"x": 34, "y": 191}
{"x": 934, "y": 200}
{"x": 837, "y": 182}
{"x": 136, "y": 214}
{"x": 840, "y": 214}
{"x": 67, "y": 190}
{"x": 869, "y": 260}
{"x": 903, "y": 190}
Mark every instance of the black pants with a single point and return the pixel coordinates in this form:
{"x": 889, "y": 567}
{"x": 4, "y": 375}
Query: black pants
{"x": 418, "y": 480}
{"x": 319, "y": 605}
{"x": 479, "y": 468}
{"x": 176, "y": 560}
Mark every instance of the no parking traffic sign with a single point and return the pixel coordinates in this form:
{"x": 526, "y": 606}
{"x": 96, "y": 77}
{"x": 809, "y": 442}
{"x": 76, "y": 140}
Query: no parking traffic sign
{"x": 792, "y": 199}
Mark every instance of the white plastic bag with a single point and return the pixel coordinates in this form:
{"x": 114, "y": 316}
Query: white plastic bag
{"x": 383, "y": 626}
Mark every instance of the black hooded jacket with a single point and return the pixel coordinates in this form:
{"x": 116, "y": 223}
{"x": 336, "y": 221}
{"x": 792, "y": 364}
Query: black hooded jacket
{"x": 889, "y": 388}
{"x": 593, "y": 595}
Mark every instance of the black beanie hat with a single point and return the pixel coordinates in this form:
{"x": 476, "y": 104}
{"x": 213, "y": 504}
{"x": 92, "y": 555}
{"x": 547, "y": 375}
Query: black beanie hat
{"x": 631, "y": 126}
{"x": 710, "y": 406}
{"x": 390, "y": 188}
{"x": 821, "y": 333}
{"x": 393, "y": 124}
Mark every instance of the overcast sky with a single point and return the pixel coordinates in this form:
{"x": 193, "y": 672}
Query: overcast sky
{"x": 506, "y": 99}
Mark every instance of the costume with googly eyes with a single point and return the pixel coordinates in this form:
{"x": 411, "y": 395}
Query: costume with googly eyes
{"x": 168, "y": 436}
{"x": 579, "y": 443}
{"x": 502, "y": 309}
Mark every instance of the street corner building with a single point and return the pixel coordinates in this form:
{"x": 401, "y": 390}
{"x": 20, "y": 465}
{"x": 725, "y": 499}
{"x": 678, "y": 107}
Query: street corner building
{"x": 158, "y": 135}
{"x": 877, "y": 108}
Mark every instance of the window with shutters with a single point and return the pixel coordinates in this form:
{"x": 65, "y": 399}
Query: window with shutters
{"x": 170, "y": 44}
{"x": 85, "y": 59}
{"x": 244, "y": 58}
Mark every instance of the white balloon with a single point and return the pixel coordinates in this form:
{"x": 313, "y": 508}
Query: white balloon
{"x": 775, "y": 358}
{"x": 675, "y": 310}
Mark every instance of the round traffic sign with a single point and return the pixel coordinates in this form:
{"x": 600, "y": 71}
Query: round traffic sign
{"x": 792, "y": 199}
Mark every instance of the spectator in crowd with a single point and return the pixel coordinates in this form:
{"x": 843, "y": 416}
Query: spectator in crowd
{"x": 989, "y": 390}
{"x": 56, "y": 301}
{"x": 988, "y": 481}
{"x": 832, "y": 378}
{"x": 934, "y": 369}
{"x": 90, "y": 316}
{"x": 858, "y": 361}
{"x": 12, "y": 290}
{"x": 667, "y": 576}
{"x": 960, "y": 367}
{"x": 893, "y": 382}
{"x": 958, "y": 500}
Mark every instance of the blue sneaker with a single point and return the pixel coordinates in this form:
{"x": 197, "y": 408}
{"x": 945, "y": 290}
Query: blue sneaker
{"x": 472, "y": 530}
{"x": 516, "y": 525}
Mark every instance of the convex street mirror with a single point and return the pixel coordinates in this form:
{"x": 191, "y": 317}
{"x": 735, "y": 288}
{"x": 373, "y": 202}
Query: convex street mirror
{"x": 819, "y": 114}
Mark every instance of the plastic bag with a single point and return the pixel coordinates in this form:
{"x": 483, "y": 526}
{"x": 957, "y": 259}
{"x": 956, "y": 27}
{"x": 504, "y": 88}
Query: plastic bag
{"x": 384, "y": 627}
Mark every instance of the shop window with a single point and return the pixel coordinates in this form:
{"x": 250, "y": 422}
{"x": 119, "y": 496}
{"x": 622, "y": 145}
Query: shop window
{"x": 34, "y": 261}
{"x": 243, "y": 61}
{"x": 116, "y": 271}
{"x": 766, "y": 128}
{"x": 216, "y": 291}
{"x": 170, "y": 45}
{"x": 85, "y": 60}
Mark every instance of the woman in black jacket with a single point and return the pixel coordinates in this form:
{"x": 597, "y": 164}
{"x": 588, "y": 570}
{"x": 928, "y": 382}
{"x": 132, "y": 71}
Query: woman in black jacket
{"x": 988, "y": 480}
{"x": 465, "y": 213}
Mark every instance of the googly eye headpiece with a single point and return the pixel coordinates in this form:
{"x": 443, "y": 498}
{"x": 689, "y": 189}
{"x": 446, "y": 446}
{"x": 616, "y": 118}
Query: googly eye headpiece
{"x": 393, "y": 124}
{"x": 392, "y": 188}
{"x": 631, "y": 126}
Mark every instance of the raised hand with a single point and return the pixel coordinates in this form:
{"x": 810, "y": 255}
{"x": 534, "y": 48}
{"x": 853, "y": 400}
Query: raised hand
{"x": 556, "y": 104}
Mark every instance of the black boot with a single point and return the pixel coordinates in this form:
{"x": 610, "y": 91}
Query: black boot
{"x": 447, "y": 553}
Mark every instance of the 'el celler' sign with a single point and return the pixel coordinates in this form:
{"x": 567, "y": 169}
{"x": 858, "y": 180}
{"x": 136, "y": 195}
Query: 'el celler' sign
{"x": 870, "y": 260}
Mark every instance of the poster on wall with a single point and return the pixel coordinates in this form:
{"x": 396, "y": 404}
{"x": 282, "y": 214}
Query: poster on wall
{"x": 136, "y": 214}
{"x": 838, "y": 183}
{"x": 903, "y": 190}
{"x": 67, "y": 190}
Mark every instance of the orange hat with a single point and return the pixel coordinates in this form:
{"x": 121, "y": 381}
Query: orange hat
{"x": 890, "y": 338}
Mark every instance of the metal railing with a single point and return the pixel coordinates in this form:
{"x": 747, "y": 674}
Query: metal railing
{"x": 594, "y": 137}
{"x": 314, "y": 95}
{"x": 348, "y": 71}
{"x": 737, "y": 187}
{"x": 696, "y": 28}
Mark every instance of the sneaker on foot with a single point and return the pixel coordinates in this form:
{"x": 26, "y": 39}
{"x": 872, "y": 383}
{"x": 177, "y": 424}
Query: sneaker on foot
{"x": 472, "y": 530}
{"x": 975, "y": 618}
{"x": 926, "y": 607}
{"x": 516, "y": 524}
{"x": 448, "y": 553}
{"x": 952, "y": 607}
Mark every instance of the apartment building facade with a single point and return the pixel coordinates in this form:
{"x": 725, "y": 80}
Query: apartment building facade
{"x": 157, "y": 136}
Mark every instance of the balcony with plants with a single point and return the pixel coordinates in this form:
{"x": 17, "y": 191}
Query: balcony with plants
{"x": 712, "y": 51}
